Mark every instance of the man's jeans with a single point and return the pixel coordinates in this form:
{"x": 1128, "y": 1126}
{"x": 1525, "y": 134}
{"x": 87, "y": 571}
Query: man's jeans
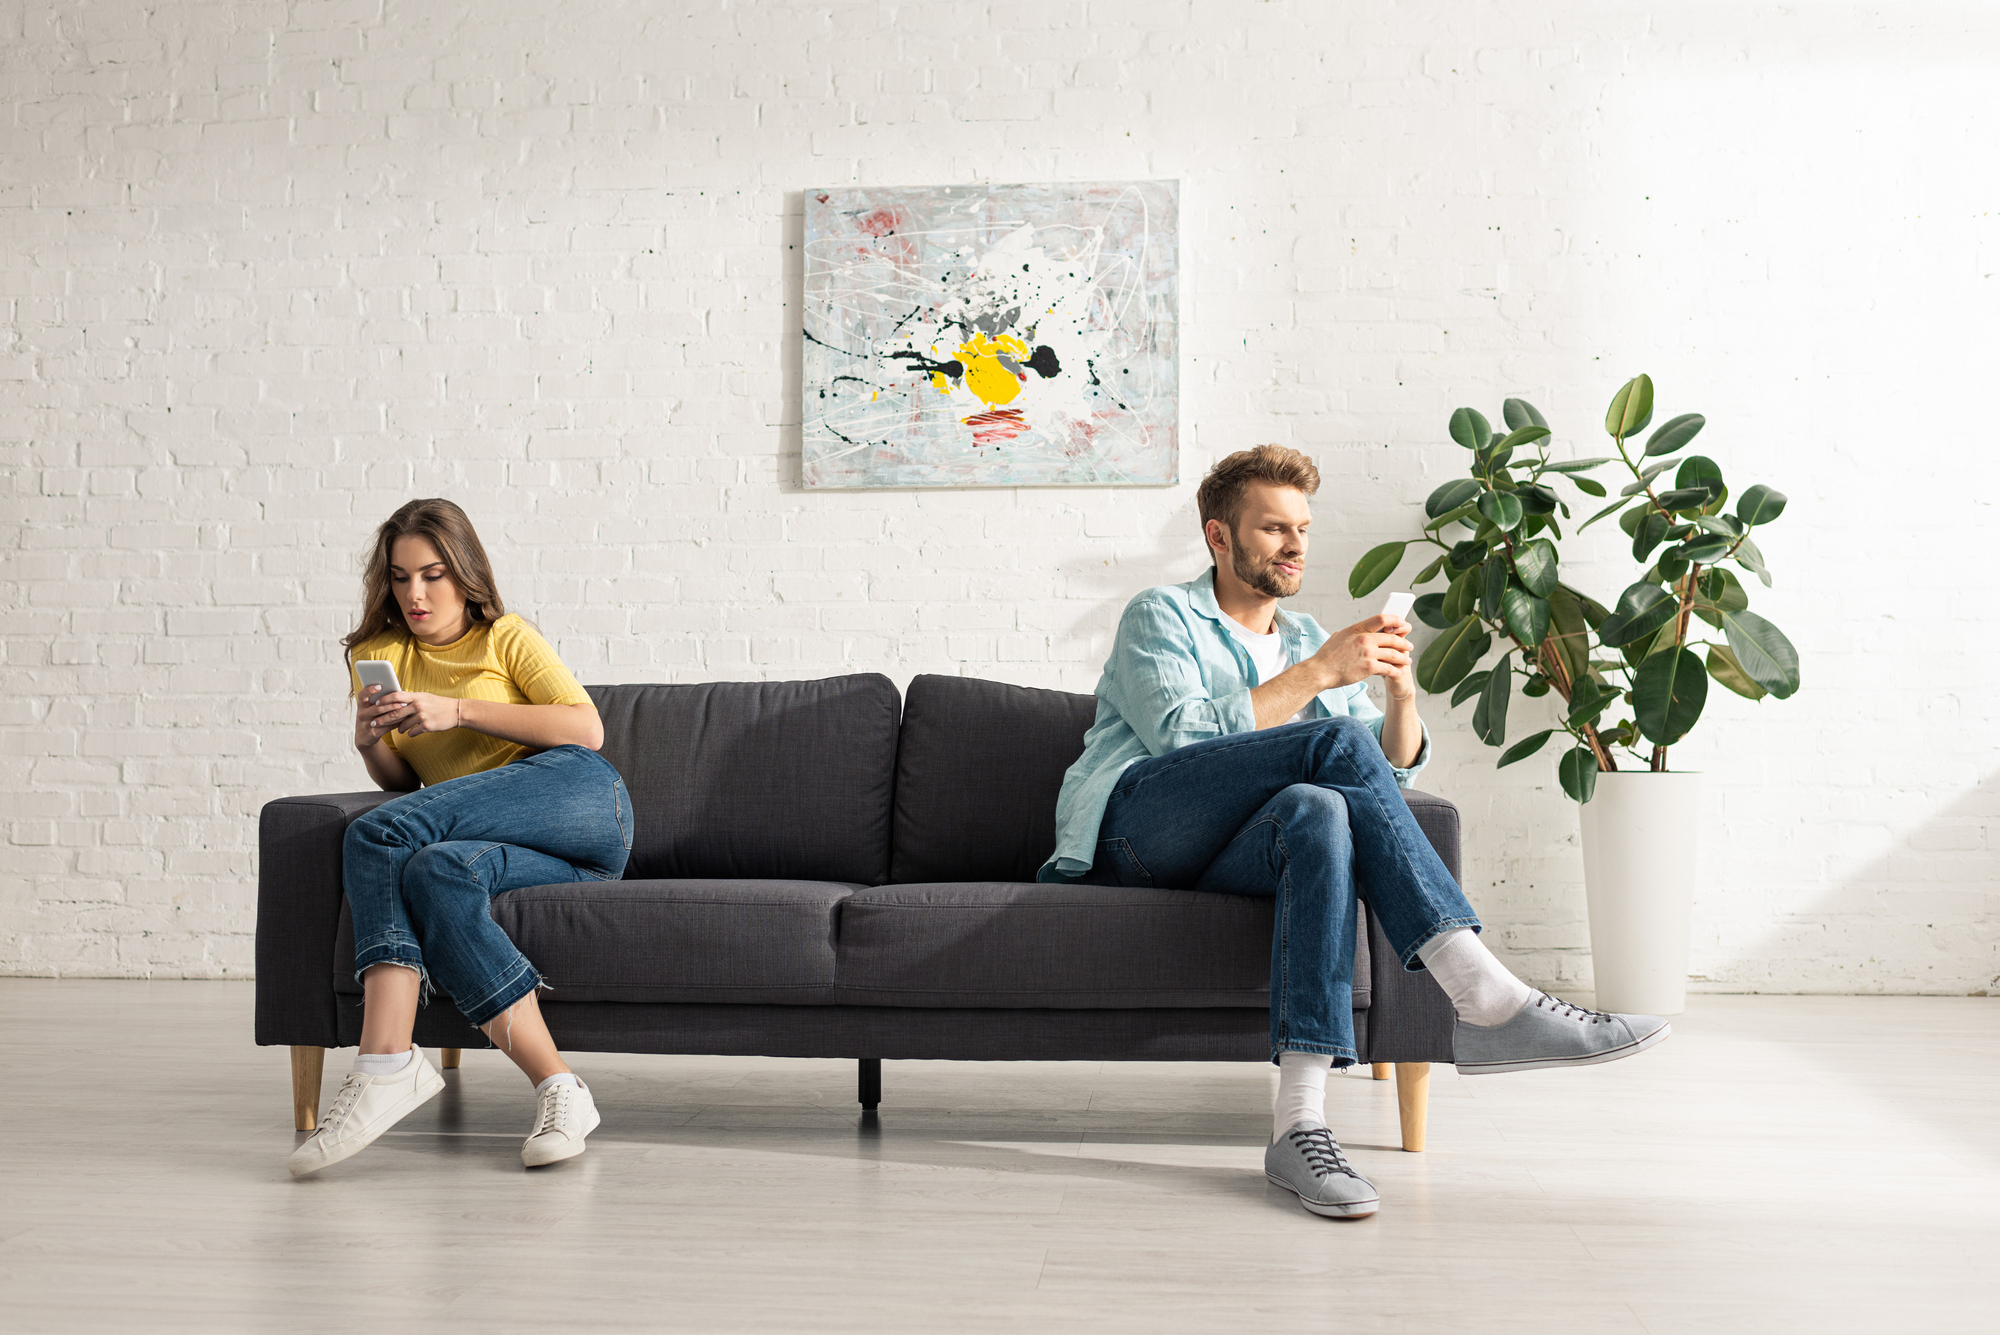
{"x": 421, "y": 872}
{"x": 1309, "y": 813}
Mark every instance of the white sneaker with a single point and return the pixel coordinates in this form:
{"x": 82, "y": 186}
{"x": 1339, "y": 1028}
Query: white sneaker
{"x": 365, "y": 1107}
{"x": 567, "y": 1113}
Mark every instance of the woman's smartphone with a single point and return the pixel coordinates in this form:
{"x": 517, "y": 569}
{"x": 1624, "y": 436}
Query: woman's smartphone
{"x": 376, "y": 672}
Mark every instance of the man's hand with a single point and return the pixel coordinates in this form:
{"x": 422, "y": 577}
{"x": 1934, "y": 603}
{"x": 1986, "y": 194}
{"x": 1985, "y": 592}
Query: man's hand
{"x": 1377, "y": 647}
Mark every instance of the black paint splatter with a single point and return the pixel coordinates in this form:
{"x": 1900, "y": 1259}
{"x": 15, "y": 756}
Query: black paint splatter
{"x": 1044, "y": 362}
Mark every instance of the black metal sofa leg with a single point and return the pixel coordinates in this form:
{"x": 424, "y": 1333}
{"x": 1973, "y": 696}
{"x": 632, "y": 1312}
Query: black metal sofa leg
{"x": 871, "y": 1083}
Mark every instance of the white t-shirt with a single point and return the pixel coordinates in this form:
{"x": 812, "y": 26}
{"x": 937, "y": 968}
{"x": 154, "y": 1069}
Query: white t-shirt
{"x": 1267, "y": 654}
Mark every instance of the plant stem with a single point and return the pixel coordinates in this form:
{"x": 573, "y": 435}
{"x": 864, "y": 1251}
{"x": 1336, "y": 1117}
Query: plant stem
{"x": 1659, "y": 765}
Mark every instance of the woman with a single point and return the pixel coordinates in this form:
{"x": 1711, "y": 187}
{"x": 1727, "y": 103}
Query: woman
{"x": 494, "y": 745}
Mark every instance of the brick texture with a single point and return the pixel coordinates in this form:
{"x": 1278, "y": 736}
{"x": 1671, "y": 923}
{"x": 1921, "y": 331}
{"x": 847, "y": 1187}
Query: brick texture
{"x": 269, "y": 269}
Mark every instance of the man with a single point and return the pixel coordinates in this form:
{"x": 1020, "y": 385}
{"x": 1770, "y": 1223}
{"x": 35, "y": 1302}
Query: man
{"x": 1236, "y": 750}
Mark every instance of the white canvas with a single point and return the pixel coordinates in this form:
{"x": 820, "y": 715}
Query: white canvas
{"x": 992, "y": 336}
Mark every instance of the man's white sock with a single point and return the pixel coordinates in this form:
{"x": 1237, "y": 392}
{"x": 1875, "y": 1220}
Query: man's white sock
{"x": 383, "y": 1063}
{"x": 1301, "y": 1091}
{"x": 559, "y": 1078}
{"x": 1480, "y": 988}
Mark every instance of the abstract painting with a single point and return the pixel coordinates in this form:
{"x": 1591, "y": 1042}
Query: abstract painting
{"x": 992, "y": 336}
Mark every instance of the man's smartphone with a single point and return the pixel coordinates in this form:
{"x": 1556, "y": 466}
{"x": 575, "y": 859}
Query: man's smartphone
{"x": 1397, "y": 608}
{"x": 376, "y": 672}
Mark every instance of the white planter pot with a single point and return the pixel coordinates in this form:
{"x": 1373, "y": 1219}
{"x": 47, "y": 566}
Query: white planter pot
{"x": 1640, "y": 842}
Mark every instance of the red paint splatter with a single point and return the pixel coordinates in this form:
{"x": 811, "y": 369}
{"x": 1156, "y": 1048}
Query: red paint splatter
{"x": 997, "y": 427}
{"x": 881, "y": 222}
{"x": 820, "y": 198}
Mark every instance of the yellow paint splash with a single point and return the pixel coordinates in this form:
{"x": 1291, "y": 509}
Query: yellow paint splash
{"x": 989, "y": 380}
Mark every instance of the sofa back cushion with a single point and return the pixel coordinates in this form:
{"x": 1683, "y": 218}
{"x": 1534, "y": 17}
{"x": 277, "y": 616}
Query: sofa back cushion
{"x": 977, "y": 776}
{"x": 745, "y": 780}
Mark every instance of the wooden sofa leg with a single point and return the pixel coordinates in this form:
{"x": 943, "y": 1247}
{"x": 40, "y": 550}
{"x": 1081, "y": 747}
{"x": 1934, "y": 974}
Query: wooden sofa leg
{"x": 1413, "y": 1101}
{"x": 871, "y": 1083}
{"x": 448, "y": 1058}
{"x": 1381, "y": 1070}
{"x": 307, "y": 1063}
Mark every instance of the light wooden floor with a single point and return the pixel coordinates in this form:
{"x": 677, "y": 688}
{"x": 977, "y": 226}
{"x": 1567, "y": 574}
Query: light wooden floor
{"x": 1781, "y": 1164}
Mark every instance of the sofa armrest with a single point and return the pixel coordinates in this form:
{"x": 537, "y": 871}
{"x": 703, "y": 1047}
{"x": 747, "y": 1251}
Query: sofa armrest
{"x": 1409, "y": 1018}
{"x": 298, "y": 913}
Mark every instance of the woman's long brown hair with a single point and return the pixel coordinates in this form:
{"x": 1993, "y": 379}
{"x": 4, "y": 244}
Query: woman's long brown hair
{"x": 452, "y": 534}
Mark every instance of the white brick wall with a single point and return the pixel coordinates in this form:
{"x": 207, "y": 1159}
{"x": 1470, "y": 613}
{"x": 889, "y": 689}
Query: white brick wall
{"x": 269, "y": 269}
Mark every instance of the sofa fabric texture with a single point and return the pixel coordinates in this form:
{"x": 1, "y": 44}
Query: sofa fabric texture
{"x": 818, "y": 870}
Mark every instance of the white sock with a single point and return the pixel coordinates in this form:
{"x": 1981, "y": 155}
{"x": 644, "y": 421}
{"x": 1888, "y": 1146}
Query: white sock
{"x": 383, "y": 1063}
{"x": 559, "y": 1078}
{"x": 1301, "y": 1091}
{"x": 1480, "y": 988}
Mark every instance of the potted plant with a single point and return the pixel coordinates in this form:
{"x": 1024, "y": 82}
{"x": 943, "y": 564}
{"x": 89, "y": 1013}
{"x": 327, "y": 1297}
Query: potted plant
{"x": 1637, "y": 659}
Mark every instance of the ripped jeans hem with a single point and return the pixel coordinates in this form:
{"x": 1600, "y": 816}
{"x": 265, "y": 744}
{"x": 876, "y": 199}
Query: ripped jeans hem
{"x": 388, "y": 954}
{"x": 516, "y": 983}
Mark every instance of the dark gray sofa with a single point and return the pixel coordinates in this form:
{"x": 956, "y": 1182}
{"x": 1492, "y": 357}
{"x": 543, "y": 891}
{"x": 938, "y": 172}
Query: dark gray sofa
{"x": 823, "y": 869}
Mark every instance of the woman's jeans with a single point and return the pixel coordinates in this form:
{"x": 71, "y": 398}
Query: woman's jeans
{"x": 421, "y": 871}
{"x": 1308, "y": 813}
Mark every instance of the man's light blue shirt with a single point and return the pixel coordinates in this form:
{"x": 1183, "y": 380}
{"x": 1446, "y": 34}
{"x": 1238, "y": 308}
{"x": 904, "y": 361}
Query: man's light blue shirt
{"x": 1177, "y": 676}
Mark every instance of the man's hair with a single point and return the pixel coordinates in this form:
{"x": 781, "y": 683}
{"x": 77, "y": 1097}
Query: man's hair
{"x": 1221, "y": 493}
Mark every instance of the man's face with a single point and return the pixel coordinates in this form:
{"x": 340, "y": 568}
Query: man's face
{"x": 1267, "y": 551}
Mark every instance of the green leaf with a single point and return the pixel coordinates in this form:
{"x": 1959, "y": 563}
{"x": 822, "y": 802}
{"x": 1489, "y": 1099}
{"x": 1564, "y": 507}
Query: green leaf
{"x": 1526, "y": 615}
{"x": 1722, "y": 589}
{"x": 1526, "y": 747}
{"x": 1578, "y": 773}
{"x": 1429, "y": 572}
{"x": 1537, "y": 687}
{"x": 1467, "y": 554}
{"x": 1645, "y": 479}
{"x": 1752, "y": 559}
{"x": 1590, "y": 698}
{"x": 1588, "y": 486}
{"x": 1698, "y": 470}
{"x": 1429, "y": 609}
{"x": 1470, "y": 687}
{"x": 1503, "y": 508}
{"x": 1489, "y": 716}
{"x": 1537, "y": 499}
{"x": 1648, "y": 533}
{"x": 1469, "y": 429}
{"x": 1535, "y": 565}
{"x": 1450, "y": 496}
{"x": 1701, "y": 551}
{"x": 1611, "y": 509}
{"x": 1463, "y": 595}
{"x": 1520, "y": 436}
{"x": 1576, "y": 465}
{"x": 1377, "y": 565}
{"x": 1722, "y": 666}
{"x": 1491, "y": 462}
{"x": 1453, "y": 516}
{"x": 1690, "y": 499}
{"x": 1670, "y": 567}
{"x": 1572, "y": 635}
{"x": 1642, "y": 609}
{"x": 1668, "y": 692}
{"x": 1491, "y": 587}
{"x": 1763, "y": 652}
{"x": 1760, "y": 504}
{"x": 1646, "y": 646}
{"x": 1452, "y": 654}
{"x": 1725, "y": 526}
{"x": 1517, "y": 413}
{"x": 1631, "y": 408}
{"x": 1675, "y": 433}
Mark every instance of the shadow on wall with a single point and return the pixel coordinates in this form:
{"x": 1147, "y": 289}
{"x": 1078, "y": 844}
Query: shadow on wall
{"x": 1907, "y": 911}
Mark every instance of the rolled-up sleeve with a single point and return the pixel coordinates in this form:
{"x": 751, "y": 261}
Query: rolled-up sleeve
{"x": 1158, "y": 685}
{"x": 1359, "y": 706}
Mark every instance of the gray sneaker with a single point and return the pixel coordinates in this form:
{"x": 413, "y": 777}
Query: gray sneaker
{"x": 1307, "y": 1162}
{"x": 1551, "y": 1032}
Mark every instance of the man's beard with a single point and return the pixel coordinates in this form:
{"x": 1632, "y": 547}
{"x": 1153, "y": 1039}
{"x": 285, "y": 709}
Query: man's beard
{"x": 1265, "y": 579}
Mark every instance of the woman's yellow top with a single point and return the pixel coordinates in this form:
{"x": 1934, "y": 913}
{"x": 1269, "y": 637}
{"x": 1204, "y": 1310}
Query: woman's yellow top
{"x": 506, "y": 661}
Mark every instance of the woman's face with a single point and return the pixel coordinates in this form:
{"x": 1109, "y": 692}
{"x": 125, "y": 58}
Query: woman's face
{"x": 433, "y": 607}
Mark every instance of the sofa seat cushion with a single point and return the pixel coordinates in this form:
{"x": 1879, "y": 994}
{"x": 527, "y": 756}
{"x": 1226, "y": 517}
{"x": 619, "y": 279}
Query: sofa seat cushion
{"x": 1016, "y": 945}
{"x": 751, "y": 941}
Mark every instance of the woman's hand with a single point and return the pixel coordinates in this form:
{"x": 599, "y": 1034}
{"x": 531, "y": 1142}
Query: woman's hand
{"x": 411, "y": 713}
{"x": 373, "y": 717}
